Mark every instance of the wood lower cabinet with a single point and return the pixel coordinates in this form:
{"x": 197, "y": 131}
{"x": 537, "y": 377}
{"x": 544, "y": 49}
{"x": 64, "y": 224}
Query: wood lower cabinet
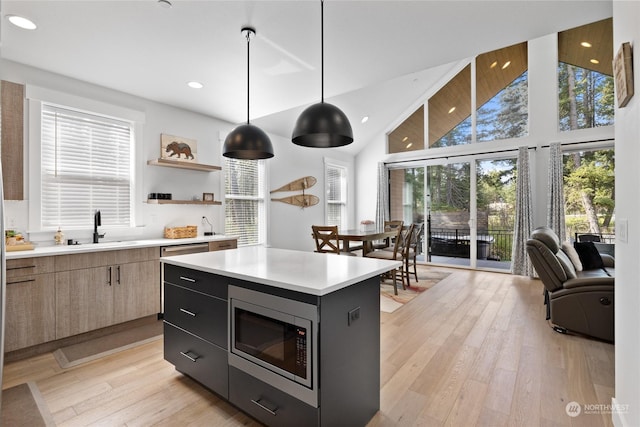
{"x": 96, "y": 297}
{"x": 30, "y": 303}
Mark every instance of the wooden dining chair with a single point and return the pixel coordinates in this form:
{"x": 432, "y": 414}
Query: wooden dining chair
{"x": 406, "y": 235}
{"x": 398, "y": 254}
{"x": 413, "y": 249}
{"x": 327, "y": 241}
{"x": 388, "y": 225}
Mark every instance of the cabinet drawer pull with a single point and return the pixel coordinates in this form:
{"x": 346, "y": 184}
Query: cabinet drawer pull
{"x": 13, "y": 282}
{"x": 20, "y": 268}
{"x": 190, "y": 313}
{"x": 188, "y": 279}
{"x": 109, "y": 276}
{"x": 193, "y": 359}
{"x": 118, "y": 275}
{"x": 269, "y": 410}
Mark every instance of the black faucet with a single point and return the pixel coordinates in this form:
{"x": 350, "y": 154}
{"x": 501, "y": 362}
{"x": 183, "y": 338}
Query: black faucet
{"x": 97, "y": 221}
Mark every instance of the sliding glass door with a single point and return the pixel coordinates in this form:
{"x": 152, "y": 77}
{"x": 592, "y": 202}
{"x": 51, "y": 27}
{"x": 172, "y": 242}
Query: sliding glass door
{"x": 495, "y": 211}
{"x": 449, "y": 225}
{"x": 466, "y": 209}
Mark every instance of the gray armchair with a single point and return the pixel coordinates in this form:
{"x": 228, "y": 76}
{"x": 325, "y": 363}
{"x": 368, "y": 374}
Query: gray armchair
{"x": 577, "y": 301}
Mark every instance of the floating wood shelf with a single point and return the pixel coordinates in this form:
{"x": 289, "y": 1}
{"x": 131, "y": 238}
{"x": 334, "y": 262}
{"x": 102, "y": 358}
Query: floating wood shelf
{"x": 182, "y": 202}
{"x": 183, "y": 165}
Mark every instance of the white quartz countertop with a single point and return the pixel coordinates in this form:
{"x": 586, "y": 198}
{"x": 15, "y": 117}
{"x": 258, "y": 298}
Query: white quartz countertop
{"x": 110, "y": 246}
{"x": 307, "y": 272}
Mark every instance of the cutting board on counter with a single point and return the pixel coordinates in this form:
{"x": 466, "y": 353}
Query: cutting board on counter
{"x": 23, "y": 247}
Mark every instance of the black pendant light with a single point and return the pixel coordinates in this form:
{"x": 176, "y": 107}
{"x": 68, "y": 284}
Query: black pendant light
{"x": 247, "y": 141}
{"x": 322, "y": 125}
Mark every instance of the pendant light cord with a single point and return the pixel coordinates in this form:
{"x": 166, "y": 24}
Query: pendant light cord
{"x": 322, "y": 50}
{"x": 248, "y": 91}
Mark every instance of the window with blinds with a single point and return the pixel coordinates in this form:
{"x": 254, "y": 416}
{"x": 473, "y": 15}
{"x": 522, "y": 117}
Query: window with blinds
{"x": 336, "y": 202}
{"x": 86, "y": 165}
{"x": 244, "y": 201}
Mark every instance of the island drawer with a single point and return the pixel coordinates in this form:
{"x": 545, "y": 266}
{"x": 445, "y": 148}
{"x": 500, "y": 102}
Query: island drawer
{"x": 200, "y": 281}
{"x": 202, "y": 361}
{"x": 202, "y": 315}
{"x": 267, "y": 404}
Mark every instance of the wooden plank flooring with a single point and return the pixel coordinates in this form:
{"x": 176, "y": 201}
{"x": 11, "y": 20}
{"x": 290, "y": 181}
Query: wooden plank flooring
{"x": 473, "y": 350}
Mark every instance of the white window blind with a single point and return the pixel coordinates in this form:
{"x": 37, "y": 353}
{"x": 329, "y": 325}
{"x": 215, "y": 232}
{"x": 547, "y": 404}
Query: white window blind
{"x": 336, "y": 182}
{"x": 244, "y": 201}
{"x": 86, "y": 165}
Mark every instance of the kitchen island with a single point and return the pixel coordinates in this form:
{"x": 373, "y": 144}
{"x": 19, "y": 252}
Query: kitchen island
{"x": 221, "y": 309}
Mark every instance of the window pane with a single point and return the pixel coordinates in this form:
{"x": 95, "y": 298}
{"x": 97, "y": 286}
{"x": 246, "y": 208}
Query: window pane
{"x": 589, "y": 192}
{"x": 336, "y": 205}
{"x": 409, "y": 136}
{"x": 85, "y": 166}
{"x": 244, "y": 201}
{"x": 585, "y": 82}
{"x": 502, "y": 93}
{"x": 450, "y": 112}
{"x": 448, "y": 212}
{"x": 496, "y": 201}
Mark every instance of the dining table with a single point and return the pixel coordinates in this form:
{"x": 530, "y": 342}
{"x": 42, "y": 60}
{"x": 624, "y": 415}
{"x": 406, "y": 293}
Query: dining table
{"x": 367, "y": 237}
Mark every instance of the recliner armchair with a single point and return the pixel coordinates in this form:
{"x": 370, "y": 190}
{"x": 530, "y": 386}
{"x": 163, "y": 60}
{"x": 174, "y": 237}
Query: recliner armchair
{"x": 577, "y": 301}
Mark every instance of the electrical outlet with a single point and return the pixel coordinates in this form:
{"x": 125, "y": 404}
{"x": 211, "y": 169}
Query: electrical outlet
{"x": 353, "y": 315}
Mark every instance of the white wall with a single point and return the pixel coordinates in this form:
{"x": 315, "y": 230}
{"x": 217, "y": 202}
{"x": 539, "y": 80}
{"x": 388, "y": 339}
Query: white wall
{"x": 289, "y": 226}
{"x": 626, "y": 19}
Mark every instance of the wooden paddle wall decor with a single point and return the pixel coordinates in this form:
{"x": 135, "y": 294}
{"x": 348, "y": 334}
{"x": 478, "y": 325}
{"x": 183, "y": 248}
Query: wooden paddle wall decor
{"x": 302, "y": 200}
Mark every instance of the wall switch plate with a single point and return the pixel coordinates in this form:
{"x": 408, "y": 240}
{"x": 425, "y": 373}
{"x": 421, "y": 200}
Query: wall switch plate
{"x": 622, "y": 226}
{"x": 353, "y": 315}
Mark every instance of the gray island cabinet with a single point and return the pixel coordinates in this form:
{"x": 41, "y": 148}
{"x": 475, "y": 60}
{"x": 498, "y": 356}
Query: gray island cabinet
{"x": 291, "y": 338}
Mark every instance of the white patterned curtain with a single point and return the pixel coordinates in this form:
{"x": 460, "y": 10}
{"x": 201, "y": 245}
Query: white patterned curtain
{"x": 382, "y": 206}
{"x": 555, "y": 214}
{"x": 520, "y": 263}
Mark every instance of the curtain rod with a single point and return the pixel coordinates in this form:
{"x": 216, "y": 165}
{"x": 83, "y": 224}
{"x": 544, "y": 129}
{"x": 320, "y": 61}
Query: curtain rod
{"x": 508, "y": 150}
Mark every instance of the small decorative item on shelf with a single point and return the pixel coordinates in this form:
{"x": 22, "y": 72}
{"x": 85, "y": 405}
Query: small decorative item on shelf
{"x": 159, "y": 196}
{"x": 367, "y": 225}
{"x": 180, "y": 232}
{"x": 207, "y": 197}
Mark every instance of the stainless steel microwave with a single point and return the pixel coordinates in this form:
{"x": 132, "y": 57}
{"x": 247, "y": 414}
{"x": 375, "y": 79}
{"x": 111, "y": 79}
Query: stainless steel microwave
{"x": 275, "y": 340}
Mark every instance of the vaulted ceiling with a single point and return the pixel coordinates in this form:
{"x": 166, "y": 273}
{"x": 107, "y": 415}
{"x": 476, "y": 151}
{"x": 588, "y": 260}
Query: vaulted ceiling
{"x": 380, "y": 56}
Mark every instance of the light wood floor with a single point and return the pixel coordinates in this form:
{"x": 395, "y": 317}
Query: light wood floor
{"x": 473, "y": 350}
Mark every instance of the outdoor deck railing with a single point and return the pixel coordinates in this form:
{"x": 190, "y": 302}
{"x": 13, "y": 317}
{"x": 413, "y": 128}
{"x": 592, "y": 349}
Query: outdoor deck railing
{"x": 492, "y": 244}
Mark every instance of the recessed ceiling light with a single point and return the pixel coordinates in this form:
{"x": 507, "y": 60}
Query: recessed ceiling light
{"x": 22, "y": 22}
{"x": 493, "y": 64}
{"x": 585, "y": 44}
{"x": 365, "y": 119}
{"x": 594, "y": 61}
{"x": 195, "y": 85}
{"x": 165, "y": 3}
{"x": 409, "y": 145}
{"x": 506, "y": 64}
{"x": 452, "y": 109}
{"x": 405, "y": 138}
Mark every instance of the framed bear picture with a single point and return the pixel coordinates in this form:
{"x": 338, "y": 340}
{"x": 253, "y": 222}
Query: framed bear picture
{"x": 178, "y": 148}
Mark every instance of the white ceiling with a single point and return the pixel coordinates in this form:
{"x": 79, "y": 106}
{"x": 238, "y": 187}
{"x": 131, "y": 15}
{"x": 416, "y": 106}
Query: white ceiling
{"x": 379, "y": 55}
